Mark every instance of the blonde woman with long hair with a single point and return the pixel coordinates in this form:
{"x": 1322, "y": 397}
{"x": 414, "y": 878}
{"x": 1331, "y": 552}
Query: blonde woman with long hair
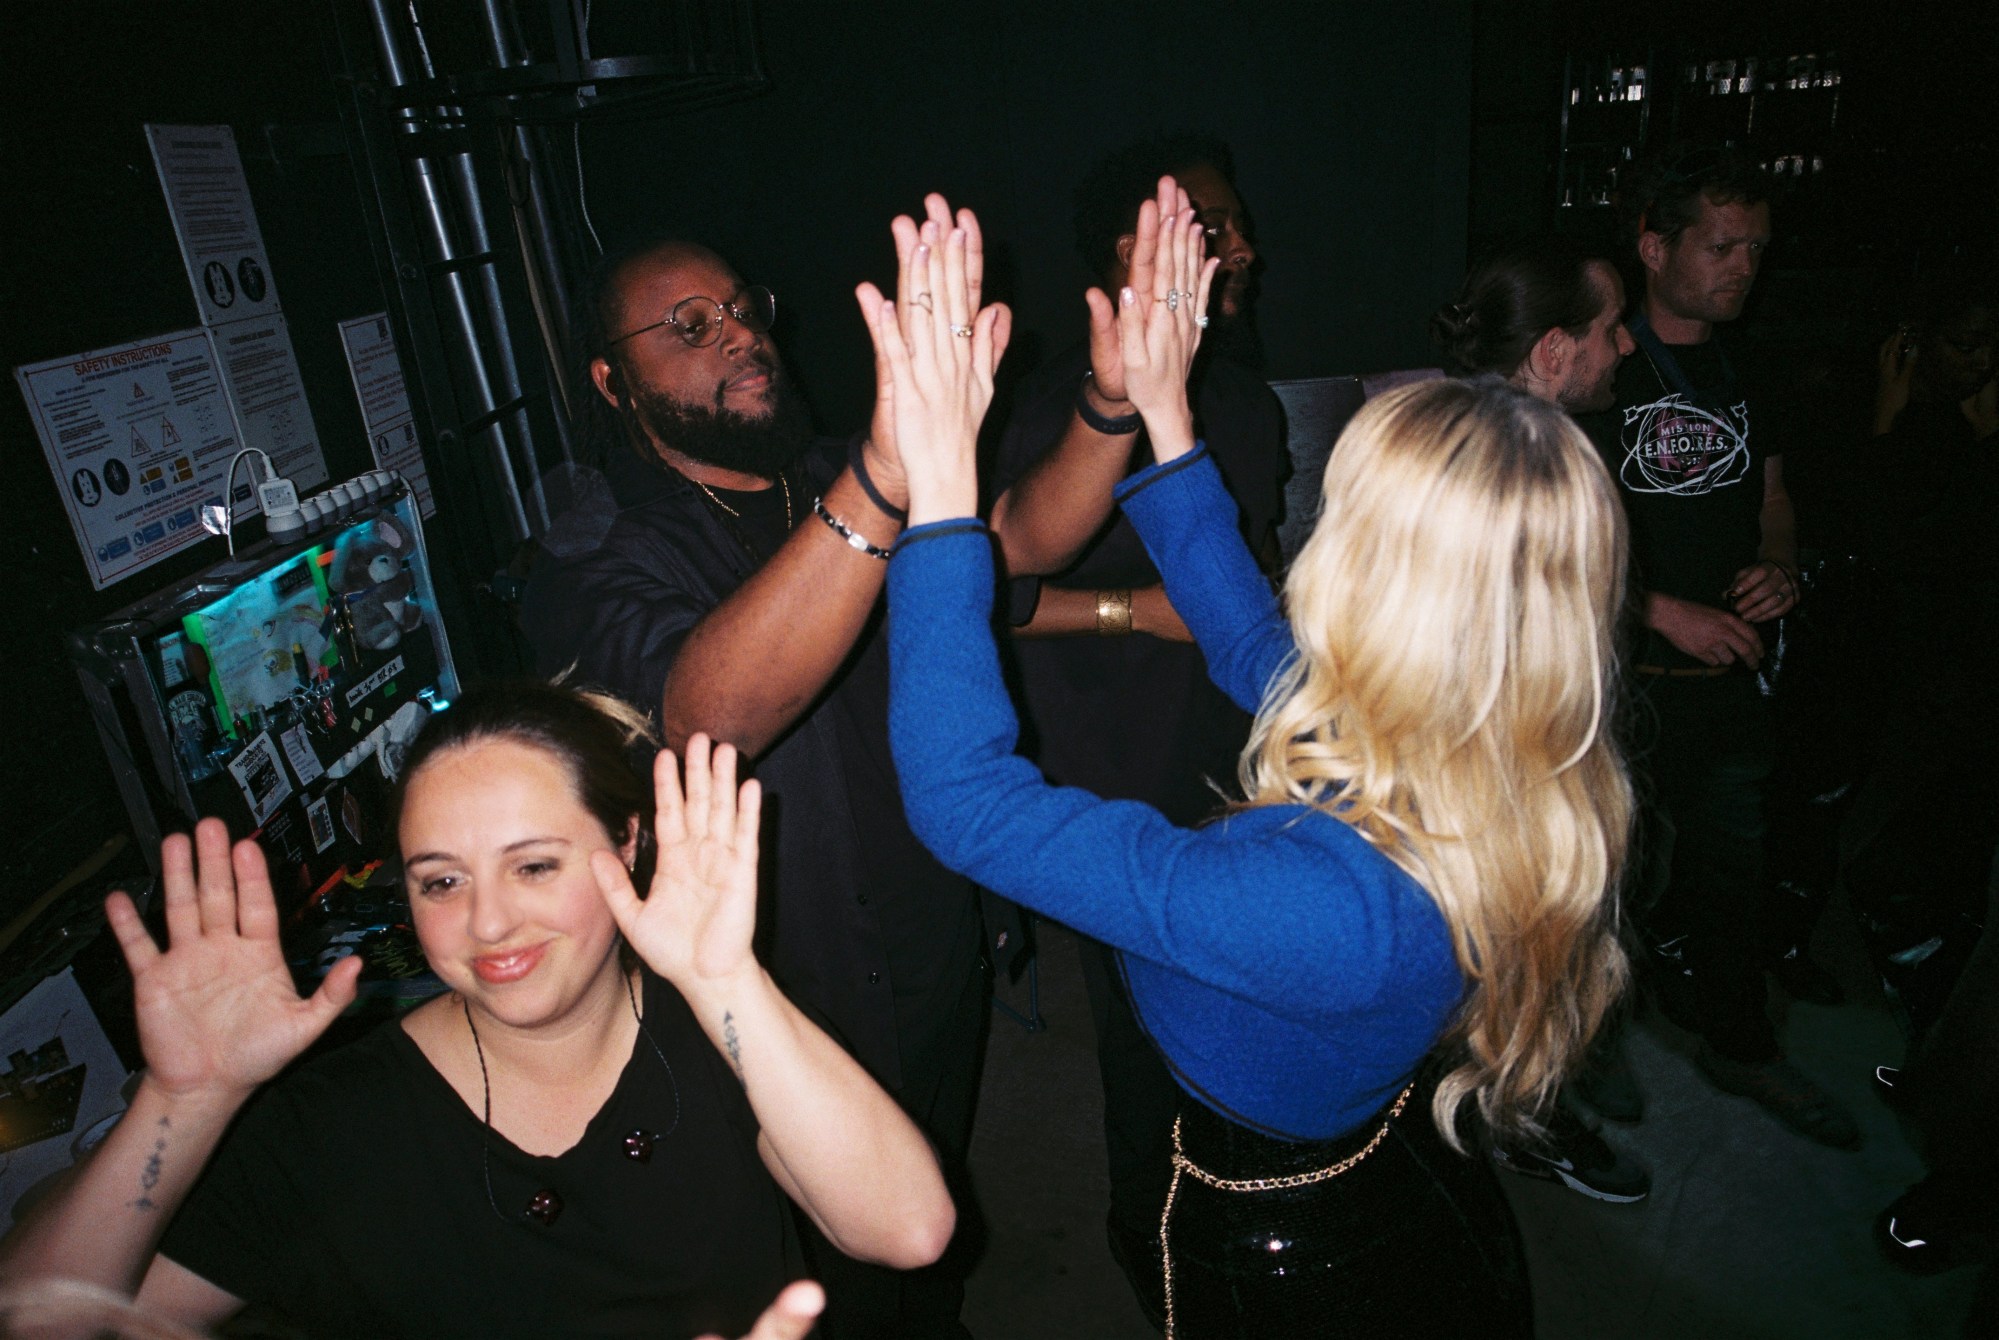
{"x": 1410, "y": 915}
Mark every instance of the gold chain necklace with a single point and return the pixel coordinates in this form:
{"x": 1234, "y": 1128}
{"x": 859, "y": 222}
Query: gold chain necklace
{"x": 782, "y": 482}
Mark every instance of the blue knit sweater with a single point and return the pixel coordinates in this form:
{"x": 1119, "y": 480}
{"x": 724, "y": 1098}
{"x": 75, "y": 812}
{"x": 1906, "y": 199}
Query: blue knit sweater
{"x": 1291, "y": 975}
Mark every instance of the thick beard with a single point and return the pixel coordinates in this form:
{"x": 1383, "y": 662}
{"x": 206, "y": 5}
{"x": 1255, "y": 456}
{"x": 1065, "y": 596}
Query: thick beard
{"x": 1234, "y": 337}
{"x": 763, "y": 445}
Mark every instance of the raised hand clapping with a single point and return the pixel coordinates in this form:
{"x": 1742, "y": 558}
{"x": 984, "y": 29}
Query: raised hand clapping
{"x": 1161, "y": 314}
{"x": 935, "y": 350}
{"x": 218, "y": 1012}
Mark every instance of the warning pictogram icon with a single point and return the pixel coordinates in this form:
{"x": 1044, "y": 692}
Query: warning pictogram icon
{"x": 168, "y": 437}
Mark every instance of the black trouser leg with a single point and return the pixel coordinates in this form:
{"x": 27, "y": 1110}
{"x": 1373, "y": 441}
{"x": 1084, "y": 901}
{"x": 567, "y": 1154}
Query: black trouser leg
{"x": 1705, "y": 770}
{"x": 940, "y": 1092}
{"x": 1918, "y": 871}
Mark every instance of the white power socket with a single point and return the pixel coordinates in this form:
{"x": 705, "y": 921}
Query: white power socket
{"x": 277, "y": 494}
{"x": 279, "y": 500}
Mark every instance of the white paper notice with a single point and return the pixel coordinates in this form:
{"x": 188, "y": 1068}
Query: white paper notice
{"x": 385, "y": 403}
{"x": 302, "y": 756}
{"x": 223, "y": 249}
{"x": 215, "y": 221}
{"x": 61, "y": 1056}
{"x": 139, "y": 437}
{"x": 262, "y": 375}
{"x": 261, "y": 777}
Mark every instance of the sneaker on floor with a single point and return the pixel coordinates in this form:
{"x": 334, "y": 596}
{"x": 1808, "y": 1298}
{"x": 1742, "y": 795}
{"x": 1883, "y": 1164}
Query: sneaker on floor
{"x": 1924, "y": 1234}
{"x": 1582, "y": 1161}
{"x": 1786, "y": 1093}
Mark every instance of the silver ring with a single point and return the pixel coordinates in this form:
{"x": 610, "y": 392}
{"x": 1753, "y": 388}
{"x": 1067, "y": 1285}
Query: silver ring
{"x": 1202, "y": 321}
{"x": 1172, "y": 299}
{"x": 964, "y": 331}
{"x": 923, "y": 300}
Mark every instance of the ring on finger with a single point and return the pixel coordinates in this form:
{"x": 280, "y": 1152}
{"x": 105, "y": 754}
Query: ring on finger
{"x": 1172, "y": 299}
{"x": 964, "y": 332}
{"x": 923, "y": 300}
{"x": 1202, "y": 321}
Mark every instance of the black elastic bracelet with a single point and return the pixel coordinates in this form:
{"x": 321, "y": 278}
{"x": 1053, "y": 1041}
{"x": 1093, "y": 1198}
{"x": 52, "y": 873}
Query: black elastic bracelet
{"x": 1118, "y": 427}
{"x": 857, "y": 462}
{"x": 853, "y": 538}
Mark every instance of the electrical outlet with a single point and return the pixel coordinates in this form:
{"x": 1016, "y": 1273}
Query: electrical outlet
{"x": 277, "y": 495}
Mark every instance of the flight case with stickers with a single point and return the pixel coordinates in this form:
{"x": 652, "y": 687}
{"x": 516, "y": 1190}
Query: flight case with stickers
{"x": 278, "y": 691}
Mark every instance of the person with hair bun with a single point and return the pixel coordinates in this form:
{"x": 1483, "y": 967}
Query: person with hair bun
{"x": 1410, "y": 914}
{"x": 594, "y": 1132}
{"x": 1544, "y": 314}
{"x": 1548, "y": 316}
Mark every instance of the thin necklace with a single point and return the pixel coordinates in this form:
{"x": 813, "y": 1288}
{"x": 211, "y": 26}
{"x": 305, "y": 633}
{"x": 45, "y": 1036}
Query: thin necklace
{"x": 782, "y": 483}
{"x": 486, "y": 1118}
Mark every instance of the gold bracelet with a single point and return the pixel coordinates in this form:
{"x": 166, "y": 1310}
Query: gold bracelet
{"x": 1113, "y": 613}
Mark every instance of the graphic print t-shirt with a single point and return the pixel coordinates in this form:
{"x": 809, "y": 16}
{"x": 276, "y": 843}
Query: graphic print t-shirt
{"x": 1690, "y": 471}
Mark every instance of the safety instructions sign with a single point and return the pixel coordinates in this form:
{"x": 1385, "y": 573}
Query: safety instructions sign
{"x": 223, "y": 249}
{"x": 215, "y": 221}
{"x": 139, "y": 436}
{"x": 385, "y": 401}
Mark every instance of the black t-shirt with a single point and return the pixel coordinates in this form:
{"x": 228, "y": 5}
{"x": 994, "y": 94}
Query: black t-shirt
{"x": 1689, "y": 467}
{"x": 1135, "y": 717}
{"x": 353, "y": 1196}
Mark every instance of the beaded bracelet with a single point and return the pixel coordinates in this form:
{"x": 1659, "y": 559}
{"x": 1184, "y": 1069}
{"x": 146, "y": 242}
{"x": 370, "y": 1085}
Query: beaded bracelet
{"x": 857, "y": 462}
{"x": 855, "y": 540}
{"x": 1122, "y": 425}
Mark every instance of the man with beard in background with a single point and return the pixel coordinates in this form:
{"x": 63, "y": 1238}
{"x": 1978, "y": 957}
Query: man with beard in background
{"x": 1114, "y": 697}
{"x": 726, "y": 576}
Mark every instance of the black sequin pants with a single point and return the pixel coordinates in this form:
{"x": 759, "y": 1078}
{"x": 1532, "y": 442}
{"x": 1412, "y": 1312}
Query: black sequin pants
{"x": 1413, "y": 1240}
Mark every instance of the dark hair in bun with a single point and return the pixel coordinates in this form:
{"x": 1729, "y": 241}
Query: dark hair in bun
{"x": 1511, "y": 299}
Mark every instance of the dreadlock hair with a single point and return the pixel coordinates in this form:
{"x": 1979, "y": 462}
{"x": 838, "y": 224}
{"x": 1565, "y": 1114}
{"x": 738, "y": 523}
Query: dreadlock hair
{"x": 600, "y": 427}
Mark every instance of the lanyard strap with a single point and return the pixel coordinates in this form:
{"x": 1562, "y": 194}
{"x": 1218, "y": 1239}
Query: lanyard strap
{"x": 1672, "y": 375}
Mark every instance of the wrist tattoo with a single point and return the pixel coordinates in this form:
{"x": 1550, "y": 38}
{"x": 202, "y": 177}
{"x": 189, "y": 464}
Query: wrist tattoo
{"x": 733, "y": 1044}
{"x": 149, "y": 1177}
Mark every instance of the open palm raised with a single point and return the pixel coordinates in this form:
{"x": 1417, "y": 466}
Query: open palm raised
{"x": 218, "y": 1013}
{"x": 696, "y": 922}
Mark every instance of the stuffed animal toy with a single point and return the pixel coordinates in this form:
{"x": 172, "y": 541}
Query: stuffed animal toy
{"x": 368, "y": 572}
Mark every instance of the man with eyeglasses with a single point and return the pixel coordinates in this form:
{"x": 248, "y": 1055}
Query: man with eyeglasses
{"x": 1114, "y": 697}
{"x": 727, "y": 578}
{"x": 1695, "y": 443}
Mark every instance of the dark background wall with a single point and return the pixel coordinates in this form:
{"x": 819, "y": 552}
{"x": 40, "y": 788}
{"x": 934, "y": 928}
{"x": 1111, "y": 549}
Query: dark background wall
{"x": 1350, "y": 124}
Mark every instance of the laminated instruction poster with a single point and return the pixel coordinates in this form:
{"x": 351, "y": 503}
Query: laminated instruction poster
{"x": 139, "y": 437}
{"x": 223, "y": 249}
{"x": 385, "y": 402}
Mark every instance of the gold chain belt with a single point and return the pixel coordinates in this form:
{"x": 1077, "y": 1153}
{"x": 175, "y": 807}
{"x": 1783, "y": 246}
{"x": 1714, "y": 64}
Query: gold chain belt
{"x": 1183, "y": 1164}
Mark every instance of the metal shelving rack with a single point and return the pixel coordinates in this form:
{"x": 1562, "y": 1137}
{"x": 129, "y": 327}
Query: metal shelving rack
{"x": 462, "y": 124}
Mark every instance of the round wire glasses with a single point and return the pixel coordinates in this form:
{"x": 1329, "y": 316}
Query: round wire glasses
{"x": 699, "y": 321}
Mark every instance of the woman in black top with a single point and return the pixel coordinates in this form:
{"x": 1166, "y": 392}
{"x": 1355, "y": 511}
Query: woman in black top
{"x": 559, "y": 1145}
